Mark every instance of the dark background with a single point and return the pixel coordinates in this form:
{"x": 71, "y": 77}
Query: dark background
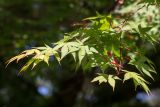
{"x": 29, "y": 23}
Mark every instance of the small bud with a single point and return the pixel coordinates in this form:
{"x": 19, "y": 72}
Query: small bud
{"x": 109, "y": 53}
{"x": 128, "y": 58}
{"x": 120, "y": 1}
{"x": 115, "y": 61}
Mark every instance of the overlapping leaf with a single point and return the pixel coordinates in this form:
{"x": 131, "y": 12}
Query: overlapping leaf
{"x": 111, "y": 79}
{"x": 138, "y": 80}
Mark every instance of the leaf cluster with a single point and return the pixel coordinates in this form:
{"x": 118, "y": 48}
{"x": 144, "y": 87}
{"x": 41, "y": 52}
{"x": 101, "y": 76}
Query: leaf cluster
{"x": 103, "y": 43}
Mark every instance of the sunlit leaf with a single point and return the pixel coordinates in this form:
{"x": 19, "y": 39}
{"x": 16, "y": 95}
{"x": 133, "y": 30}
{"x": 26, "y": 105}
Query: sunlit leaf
{"x": 100, "y": 79}
{"x": 64, "y": 51}
{"x": 56, "y": 56}
{"x": 111, "y": 81}
{"x": 74, "y": 55}
{"x": 36, "y": 62}
{"x": 137, "y": 79}
{"x": 81, "y": 54}
{"x": 85, "y": 39}
{"x": 93, "y": 50}
{"x": 46, "y": 59}
{"x": 106, "y": 78}
{"x": 25, "y": 67}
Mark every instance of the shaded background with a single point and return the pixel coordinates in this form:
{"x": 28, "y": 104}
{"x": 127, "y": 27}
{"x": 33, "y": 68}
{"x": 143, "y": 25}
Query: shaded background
{"x": 29, "y": 23}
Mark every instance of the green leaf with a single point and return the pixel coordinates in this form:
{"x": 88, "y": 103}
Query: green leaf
{"x": 64, "y": 51}
{"x": 100, "y": 79}
{"x": 144, "y": 65}
{"x": 40, "y": 48}
{"x": 85, "y": 39}
{"x": 37, "y": 61}
{"x": 106, "y": 78}
{"x": 92, "y": 49}
{"x": 145, "y": 87}
{"x": 145, "y": 71}
{"x": 74, "y": 44}
{"x": 46, "y": 59}
{"x": 133, "y": 75}
{"x": 87, "y": 50}
{"x": 23, "y": 55}
{"x": 31, "y": 51}
{"x": 111, "y": 81}
{"x": 57, "y": 56}
{"x": 91, "y": 18}
{"x": 47, "y": 46}
{"x": 72, "y": 49}
{"x": 127, "y": 76}
{"x": 25, "y": 67}
{"x": 105, "y": 25}
{"x": 58, "y": 46}
{"x": 94, "y": 17}
{"x": 137, "y": 79}
{"x": 81, "y": 54}
{"x": 65, "y": 39}
{"x": 74, "y": 55}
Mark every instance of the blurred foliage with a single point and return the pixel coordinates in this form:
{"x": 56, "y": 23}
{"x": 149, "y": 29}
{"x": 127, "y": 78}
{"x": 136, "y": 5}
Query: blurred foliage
{"x": 32, "y": 23}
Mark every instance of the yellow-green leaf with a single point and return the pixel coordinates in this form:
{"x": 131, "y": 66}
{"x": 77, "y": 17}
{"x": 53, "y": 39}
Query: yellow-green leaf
{"x": 111, "y": 81}
{"x": 64, "y": 51}
{"x": 25, "y": 67}
{"x": 100, "y": 79}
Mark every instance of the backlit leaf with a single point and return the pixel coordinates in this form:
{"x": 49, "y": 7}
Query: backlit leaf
{"x": 100, "y": 79}
{"x": 64, "y": 51}
{"x": 111, "y": 81}
{"x": 81, "y": 54}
